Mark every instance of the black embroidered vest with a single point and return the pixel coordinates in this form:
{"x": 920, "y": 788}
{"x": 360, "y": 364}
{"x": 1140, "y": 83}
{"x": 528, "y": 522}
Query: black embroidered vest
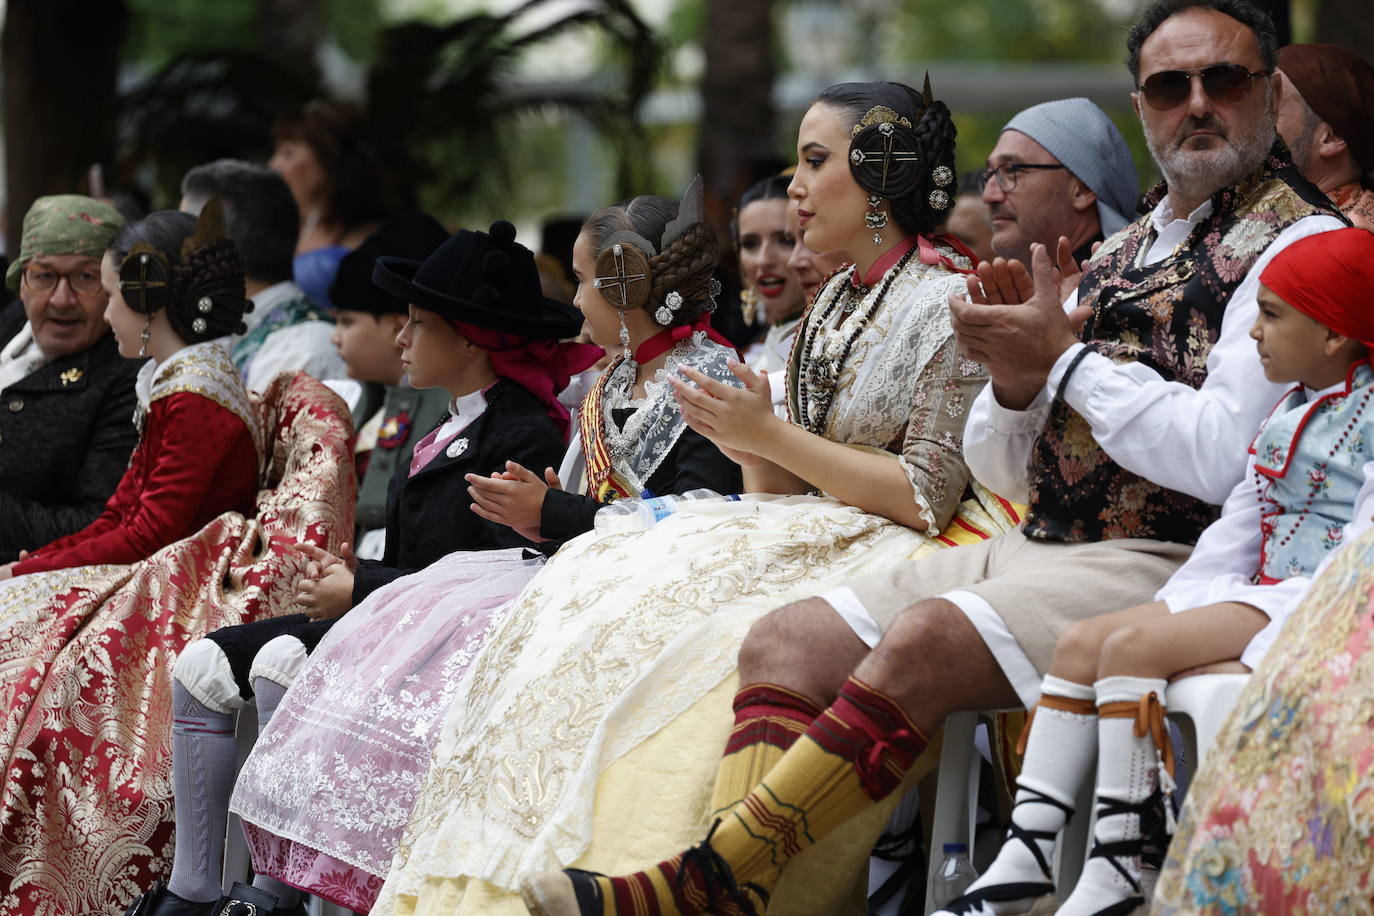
{"x": 1168, "y": 316}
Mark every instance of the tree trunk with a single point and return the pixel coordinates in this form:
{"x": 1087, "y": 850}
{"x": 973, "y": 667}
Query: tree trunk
{"x": 291, "y": 31}
{"x": 60, "y": 61}
{"x": 737, "y": 124}
{"x": 1347, "y": 23}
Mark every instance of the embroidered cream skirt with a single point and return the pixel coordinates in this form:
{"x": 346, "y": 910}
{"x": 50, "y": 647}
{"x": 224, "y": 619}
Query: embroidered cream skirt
{"x": 589, "y": 729}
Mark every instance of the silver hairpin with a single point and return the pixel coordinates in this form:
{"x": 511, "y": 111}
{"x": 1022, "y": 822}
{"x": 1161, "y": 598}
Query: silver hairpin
{"x": 621, "y": 279}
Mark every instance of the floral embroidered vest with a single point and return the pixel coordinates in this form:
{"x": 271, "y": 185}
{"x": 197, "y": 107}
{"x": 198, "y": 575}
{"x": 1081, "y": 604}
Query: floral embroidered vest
{"x": 1168, "y": 316}
{"x": 1309, "y": 468}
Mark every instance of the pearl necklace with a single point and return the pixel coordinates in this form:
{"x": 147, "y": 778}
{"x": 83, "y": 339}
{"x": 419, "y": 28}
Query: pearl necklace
{"x": 819, "y": 373}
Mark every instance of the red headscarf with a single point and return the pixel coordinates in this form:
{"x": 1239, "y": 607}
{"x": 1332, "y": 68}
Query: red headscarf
{"x": 1330, "y": 278}
{"x": 541, "y": 367}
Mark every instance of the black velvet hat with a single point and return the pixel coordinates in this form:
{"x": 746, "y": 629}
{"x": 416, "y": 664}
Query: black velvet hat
{"x": 411, "y": 235}
{"x": 485, "y": 279}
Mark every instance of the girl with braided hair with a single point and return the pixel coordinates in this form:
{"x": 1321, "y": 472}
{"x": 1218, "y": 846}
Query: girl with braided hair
{"x": 330, "y": 784}
{"x": 176, "y": 290}
{"x": 589, "y": 727}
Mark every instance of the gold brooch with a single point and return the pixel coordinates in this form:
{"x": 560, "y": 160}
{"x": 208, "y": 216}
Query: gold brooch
{"x": 880, "y": 115}
{"x": 71, "y": 375}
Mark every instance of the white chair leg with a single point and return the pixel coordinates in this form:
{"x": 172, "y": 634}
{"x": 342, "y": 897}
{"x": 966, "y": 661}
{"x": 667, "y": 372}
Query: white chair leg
{"x": 956, "y": 800}
{"x": 1203, "y": 702}
{"x": 237, "y": 864}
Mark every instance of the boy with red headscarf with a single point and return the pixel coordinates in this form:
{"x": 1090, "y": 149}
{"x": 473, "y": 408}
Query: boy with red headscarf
{"x": 1308, "y": 488}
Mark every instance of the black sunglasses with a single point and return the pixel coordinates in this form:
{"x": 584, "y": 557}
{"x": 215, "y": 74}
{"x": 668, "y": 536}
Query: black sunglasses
{"x": 1224, "y": 83}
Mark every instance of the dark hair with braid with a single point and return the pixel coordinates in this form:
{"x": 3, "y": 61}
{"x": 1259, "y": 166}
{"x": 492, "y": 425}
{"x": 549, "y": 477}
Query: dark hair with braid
{"x": 686, "y": 264}
{"x": 210, "y": 271}
{"x": 911, "y": 188}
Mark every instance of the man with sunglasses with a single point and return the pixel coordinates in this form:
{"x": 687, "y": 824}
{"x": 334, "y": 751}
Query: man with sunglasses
{"x": 1326, "y": 116}
{"x": 66, "y": 395}
{"x": 1059, "y": 168}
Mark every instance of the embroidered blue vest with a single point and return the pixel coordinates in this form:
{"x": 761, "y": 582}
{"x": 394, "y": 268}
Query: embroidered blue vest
{"x": 1309, "y": 467}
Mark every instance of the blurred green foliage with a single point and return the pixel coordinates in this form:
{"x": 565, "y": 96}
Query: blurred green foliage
{"x": 160, "y": 30}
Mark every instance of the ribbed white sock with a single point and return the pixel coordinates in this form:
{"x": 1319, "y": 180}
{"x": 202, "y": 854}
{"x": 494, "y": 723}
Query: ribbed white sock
{"x": 1126, "y": 772}
{"x": 1061, "y": 750}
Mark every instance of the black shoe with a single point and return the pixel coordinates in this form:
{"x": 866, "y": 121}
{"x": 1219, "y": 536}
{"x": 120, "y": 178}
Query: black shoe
{"x": 161, "y": 902}
{"x": 246, "y": 900}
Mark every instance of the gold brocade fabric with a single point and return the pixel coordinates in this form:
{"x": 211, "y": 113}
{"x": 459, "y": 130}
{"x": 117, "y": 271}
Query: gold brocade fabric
{"x": 1356, "y": 203}
{"x": 1280, "y": 817}
{"x": 86, "y": 659}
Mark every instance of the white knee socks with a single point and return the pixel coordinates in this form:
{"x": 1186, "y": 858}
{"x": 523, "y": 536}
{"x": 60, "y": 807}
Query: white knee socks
{"x": 1061, "y": 750}
{"x": 1127, "y": 774}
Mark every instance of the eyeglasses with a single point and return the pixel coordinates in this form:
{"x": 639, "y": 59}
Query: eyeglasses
{"x": 83, "y": 280}
{"x": 1008, "y": 173}
{"x": 1223, "y": 83}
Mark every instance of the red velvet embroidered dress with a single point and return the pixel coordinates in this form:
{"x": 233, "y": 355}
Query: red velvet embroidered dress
{"x": 195, "y": 461}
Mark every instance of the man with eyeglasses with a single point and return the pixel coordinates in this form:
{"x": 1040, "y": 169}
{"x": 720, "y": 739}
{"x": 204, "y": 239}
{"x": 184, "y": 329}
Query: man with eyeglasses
{"x": 1059, "y": 169}
{"x": 66, "y": 396}
{"x": 1326, "y": 116}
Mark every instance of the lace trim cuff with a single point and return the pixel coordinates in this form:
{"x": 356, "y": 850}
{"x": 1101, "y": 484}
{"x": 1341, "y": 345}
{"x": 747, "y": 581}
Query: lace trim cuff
{"x": 918, "y": 480}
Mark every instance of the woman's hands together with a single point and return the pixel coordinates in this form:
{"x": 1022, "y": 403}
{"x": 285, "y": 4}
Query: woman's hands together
{"x": 739, "y": 421}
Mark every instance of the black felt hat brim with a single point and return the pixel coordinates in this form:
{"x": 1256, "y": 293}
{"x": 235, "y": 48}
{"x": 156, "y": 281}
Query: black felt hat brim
{"x": 555, "y": 321}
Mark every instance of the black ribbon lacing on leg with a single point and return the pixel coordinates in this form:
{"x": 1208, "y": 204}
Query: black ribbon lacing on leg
{"x": 718, "y": 878}
{"x": 973, "y": 901}
{"x": 1153, "y": 840}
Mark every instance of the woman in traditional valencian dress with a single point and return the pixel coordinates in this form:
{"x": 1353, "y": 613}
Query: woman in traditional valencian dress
{"x": 91, "y": 624}
{"x": 199, "y": 451}
{"x": 589, "y": 728}
{"x": 331, "y": 783}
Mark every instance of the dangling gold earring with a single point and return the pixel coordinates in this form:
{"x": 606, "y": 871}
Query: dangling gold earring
{"x": 749, "y": 305}
{"x": 145, "y": 336}
{"x": 875, "y": 219}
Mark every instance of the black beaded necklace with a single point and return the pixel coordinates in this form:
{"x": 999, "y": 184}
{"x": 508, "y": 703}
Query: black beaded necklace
{"x": 819, "y": 374}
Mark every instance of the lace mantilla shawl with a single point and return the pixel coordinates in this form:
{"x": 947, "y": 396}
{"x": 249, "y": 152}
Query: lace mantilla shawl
{"x": 654, "y": 428}
{"x": 205, "y": 369}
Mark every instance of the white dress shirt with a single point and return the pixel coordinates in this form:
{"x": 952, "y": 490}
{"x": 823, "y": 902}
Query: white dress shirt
{"x": 1188, "y": 439}
{"x": 770, "y": 355}
{"x": 21, "y": 357}
{"x": 305, "y": 346}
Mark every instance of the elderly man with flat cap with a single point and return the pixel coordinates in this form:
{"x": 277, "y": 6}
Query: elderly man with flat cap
{"x": 1326, "y": 116}
{"x": 66, "y": 395}
{"x": 1059, "y": 169}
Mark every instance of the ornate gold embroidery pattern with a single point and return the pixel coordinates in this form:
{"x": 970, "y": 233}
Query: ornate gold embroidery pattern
{"x": 85, "y": 816}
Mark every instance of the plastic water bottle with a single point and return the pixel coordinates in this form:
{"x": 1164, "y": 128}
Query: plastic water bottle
{"x": 626, "y": 515}
{"x": 955, "y": 875}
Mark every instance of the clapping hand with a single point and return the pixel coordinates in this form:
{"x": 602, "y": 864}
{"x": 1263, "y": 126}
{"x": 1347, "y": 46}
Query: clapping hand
{"x": 327, "y": 589}
{"x": 1013, "y": 321}
{"x": 513, "y": 497}
{"x": 735, "y": 419}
